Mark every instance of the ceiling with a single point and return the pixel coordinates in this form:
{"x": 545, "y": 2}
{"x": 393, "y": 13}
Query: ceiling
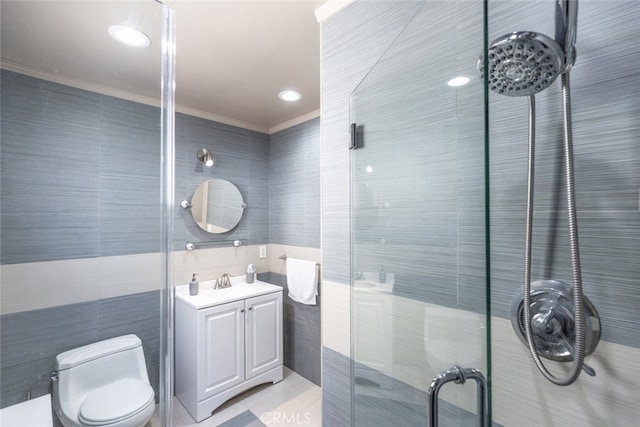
{"x": 233, "y": 57}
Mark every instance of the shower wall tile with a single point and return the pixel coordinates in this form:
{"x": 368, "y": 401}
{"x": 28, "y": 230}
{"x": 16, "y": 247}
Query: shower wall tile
{"x": 522, "y": 397}
{"x": 336, "y": 389}
{"x": 607, "y": 161}
{"x": 604, "y": 92}
{"x": 423, "y": 203}
{"x": 607, "y": 182}
{"x": 472, "y": 277}
{"x": 348, "y": 53}
{"x": 294, "y": 191}
{"x": 345, "y": 61}
{"x": 352, "y": 41}
{"x": 335, "y": 316}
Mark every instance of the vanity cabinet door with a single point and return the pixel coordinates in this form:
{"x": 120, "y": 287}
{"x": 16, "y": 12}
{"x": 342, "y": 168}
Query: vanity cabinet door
{"x": 221, "y": 348}
{"x": 264, "y": 333}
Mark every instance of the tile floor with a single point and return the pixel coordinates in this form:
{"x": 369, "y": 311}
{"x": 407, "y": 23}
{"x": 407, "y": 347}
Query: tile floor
{"x": 294, "y": 401}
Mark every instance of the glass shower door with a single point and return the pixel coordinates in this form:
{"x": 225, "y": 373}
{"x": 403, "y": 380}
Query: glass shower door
{"x": 418, "y": 234}
{"x": 86, "y": 174}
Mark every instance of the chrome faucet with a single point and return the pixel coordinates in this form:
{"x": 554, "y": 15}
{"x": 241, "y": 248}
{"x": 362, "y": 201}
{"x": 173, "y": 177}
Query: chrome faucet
{"x": 223, "y": 282}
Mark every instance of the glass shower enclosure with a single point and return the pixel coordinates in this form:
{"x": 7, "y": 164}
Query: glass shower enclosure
{"x": 439, "y": 208}
{"x": 418, "y": 263}
{"x": 86, "y": 188}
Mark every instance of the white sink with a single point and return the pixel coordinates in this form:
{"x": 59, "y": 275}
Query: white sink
{"x": 207, "y": 296}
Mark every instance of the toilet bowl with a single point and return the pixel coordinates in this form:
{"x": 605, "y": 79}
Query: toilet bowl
{"x": 103, "y": 384}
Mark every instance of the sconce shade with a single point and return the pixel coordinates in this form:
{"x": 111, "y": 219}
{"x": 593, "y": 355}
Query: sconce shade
{"x": 205, "y": 157}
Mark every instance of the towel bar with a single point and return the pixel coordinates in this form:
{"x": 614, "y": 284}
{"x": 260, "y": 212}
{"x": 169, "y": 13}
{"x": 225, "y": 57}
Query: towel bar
{"x": 192, "y": 245}
{"x": 284, "y": 258}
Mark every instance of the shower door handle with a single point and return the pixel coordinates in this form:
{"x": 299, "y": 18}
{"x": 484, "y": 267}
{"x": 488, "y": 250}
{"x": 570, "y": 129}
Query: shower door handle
{"x": 458, "y": 376}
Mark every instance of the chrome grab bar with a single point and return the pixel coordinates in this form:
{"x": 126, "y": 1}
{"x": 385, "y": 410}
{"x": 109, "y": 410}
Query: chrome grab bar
{"x": 458, "y": 376}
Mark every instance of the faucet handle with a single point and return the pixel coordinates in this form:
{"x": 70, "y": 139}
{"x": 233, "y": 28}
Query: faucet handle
{"x": 224, "y": 281}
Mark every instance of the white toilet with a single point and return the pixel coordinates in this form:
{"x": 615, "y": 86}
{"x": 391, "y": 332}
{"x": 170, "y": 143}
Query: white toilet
{"x": 103, "y": 384}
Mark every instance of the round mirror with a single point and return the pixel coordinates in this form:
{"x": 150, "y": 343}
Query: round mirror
{"x": 217, "y": 206}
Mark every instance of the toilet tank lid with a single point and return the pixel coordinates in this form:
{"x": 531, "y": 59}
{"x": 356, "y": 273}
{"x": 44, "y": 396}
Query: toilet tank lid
{"x": 80, "y": 355}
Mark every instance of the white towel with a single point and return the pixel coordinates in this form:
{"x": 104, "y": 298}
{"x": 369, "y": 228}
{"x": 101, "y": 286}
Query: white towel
{"x": 302, "y": 280}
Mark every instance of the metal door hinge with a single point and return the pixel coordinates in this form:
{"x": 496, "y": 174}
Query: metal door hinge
{"x": 357, "y": 134}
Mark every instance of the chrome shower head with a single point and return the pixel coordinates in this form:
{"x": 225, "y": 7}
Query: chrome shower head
{"x": 522, "y": 63}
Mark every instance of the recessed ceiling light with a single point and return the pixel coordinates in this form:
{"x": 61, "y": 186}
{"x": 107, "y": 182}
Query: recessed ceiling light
{"x": 129, "y": 36}
{"x": 458, "y": 81}
{"x": 290, "y": 95}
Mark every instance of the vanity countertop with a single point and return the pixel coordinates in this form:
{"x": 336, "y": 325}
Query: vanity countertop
{"x": 207, "y": 296}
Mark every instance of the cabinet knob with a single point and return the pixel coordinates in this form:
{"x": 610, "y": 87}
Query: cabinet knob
{"x": 250, "y": 308}
{"x": 242, "y": 311}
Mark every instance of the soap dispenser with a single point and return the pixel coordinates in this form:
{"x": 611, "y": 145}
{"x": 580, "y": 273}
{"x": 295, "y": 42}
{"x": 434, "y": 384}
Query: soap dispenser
{"x": 194, "y": 286}
{"x": 382, "y": 275}
{"x": 251, "y": 273}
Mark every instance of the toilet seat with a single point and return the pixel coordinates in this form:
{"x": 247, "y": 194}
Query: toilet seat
{"x": 115, "y": 402}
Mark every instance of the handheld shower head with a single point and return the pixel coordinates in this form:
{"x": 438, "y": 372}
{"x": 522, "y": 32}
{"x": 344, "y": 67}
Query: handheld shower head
{"x": 522, "y": 63}
{"x": 566, "y": 30}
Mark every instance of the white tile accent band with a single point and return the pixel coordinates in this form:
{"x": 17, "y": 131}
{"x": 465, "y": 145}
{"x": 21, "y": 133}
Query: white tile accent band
{"x": 37, "y": 285}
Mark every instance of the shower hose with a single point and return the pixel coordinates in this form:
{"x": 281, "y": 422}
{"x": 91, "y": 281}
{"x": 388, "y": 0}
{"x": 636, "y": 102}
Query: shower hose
{"x": 580, "y": 327}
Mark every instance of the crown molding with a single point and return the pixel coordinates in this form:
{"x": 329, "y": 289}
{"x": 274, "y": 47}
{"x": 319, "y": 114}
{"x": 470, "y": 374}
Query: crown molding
{"x": 296, "y": 121}
{"x": 105, "y": 90}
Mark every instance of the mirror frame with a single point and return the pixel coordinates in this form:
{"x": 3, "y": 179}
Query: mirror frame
{"x": 226, "y": 214}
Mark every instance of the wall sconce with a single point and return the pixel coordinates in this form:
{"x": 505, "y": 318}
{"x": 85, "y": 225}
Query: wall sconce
{"x": 205, "y": 157}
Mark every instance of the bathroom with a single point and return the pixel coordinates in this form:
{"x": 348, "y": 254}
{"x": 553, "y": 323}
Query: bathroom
{"x": 105, "y": 263}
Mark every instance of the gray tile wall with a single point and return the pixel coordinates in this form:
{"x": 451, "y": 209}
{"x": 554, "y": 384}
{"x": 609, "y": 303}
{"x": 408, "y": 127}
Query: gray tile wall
{"x": 398, "y": 405}
{"x": 336, "y": 388}
{"x": 106, "y": 202}
{"x": 80, "y": 178}
{"x": 241, "y": 157}
{"x": 302, "y": 335}
{"x": 348, "y": 52}
{"x": 294, "y": 219}
{"x": 80, "y": 173}
{"x": 89, "y": 163}
{"x": 352, "y": 41}
{"x": 30, "y": 341}
{"x": 419, "y": 208}
{"x": 294, "y": 191}
{"x": 604, "y": 87}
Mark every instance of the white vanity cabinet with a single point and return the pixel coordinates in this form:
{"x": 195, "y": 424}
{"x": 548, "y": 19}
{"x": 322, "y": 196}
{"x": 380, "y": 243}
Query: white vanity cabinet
{"x": 227, "y": 341}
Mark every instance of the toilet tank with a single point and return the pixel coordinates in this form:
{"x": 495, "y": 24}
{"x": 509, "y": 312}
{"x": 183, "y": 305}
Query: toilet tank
{"x": 87, "y": 368}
